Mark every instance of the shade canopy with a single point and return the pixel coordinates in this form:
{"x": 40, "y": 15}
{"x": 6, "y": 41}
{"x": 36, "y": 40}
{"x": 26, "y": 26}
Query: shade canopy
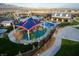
{"x": 28, "y": 24}
{"x": 34, "y": 17}
{"x": 37, "y": 18}
{"x": 25, "y": 19}
{"x": 47, "y": 24}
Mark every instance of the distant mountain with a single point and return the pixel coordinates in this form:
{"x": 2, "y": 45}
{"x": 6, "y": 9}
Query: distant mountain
{"x": 2, "y": 5}
{"x": 40, "y": 5}
{"x": 48, "y": 5}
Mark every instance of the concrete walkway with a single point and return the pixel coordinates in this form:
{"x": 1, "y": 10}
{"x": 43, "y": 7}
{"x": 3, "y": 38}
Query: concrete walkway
{"x": 70, "y": 33}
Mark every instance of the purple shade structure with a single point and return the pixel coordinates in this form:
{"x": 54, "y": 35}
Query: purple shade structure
{"x": 29, "y": 24}
{"x": 25, "y": 19}
{"x": 36, "y": 18}
{"x": 33, "y": 17}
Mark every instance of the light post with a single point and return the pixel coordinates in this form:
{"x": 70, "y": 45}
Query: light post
{"x": 44, "y": 24}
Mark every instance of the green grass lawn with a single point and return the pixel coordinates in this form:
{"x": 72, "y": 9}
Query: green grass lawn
{"x": 77, "y": 18}
{"x": 9, "y": 48}
{"x": 68, "y": 48}
{"x": 76, "y": 27}
{"x": 68, "y": 24}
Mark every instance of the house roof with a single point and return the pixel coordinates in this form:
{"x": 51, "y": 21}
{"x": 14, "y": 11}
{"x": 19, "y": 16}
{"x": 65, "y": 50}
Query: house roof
{"x": 61, "y": 15}
{"x": 6, "y": 22}
{"x": 2, "y": 30}
{"x": 5, "y": 19}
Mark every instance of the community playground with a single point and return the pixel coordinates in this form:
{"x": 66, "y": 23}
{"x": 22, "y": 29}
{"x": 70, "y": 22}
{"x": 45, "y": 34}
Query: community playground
{"x": 30, "y": 30}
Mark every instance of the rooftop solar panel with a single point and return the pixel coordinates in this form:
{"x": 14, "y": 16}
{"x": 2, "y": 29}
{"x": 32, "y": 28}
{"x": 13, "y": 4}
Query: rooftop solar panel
{"x": 64, "y": 15}
{"x": 61, "y": 15}
{"x": 58, "y": 14}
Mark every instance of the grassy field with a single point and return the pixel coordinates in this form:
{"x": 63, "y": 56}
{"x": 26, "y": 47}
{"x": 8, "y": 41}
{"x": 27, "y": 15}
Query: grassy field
{"x": 77, "y": 27}
{"x": 69, "y": 48}
{"x": 68, "y": 24}
{"x": 77, "y": 18}
{"x": 9, "y": 48}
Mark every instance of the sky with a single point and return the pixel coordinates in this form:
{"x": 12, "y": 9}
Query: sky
{"x": 48, "y": 5}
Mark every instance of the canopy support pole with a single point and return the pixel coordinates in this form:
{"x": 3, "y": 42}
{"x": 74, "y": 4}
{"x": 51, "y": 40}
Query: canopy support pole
{"x": 28, "y": 35}
{"x": 44, "y": 24}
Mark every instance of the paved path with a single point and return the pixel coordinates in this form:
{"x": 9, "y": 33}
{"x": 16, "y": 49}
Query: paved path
{"x": 70, "y": 33}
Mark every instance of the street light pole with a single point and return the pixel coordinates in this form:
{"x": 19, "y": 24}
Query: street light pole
{"x": 44, "y": 24}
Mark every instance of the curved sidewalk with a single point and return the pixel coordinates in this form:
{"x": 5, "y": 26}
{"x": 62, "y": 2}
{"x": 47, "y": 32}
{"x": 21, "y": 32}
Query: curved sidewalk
{"x": 70, "y": 33}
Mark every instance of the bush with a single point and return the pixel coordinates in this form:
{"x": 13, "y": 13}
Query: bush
{"x": 9, "y": 28}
